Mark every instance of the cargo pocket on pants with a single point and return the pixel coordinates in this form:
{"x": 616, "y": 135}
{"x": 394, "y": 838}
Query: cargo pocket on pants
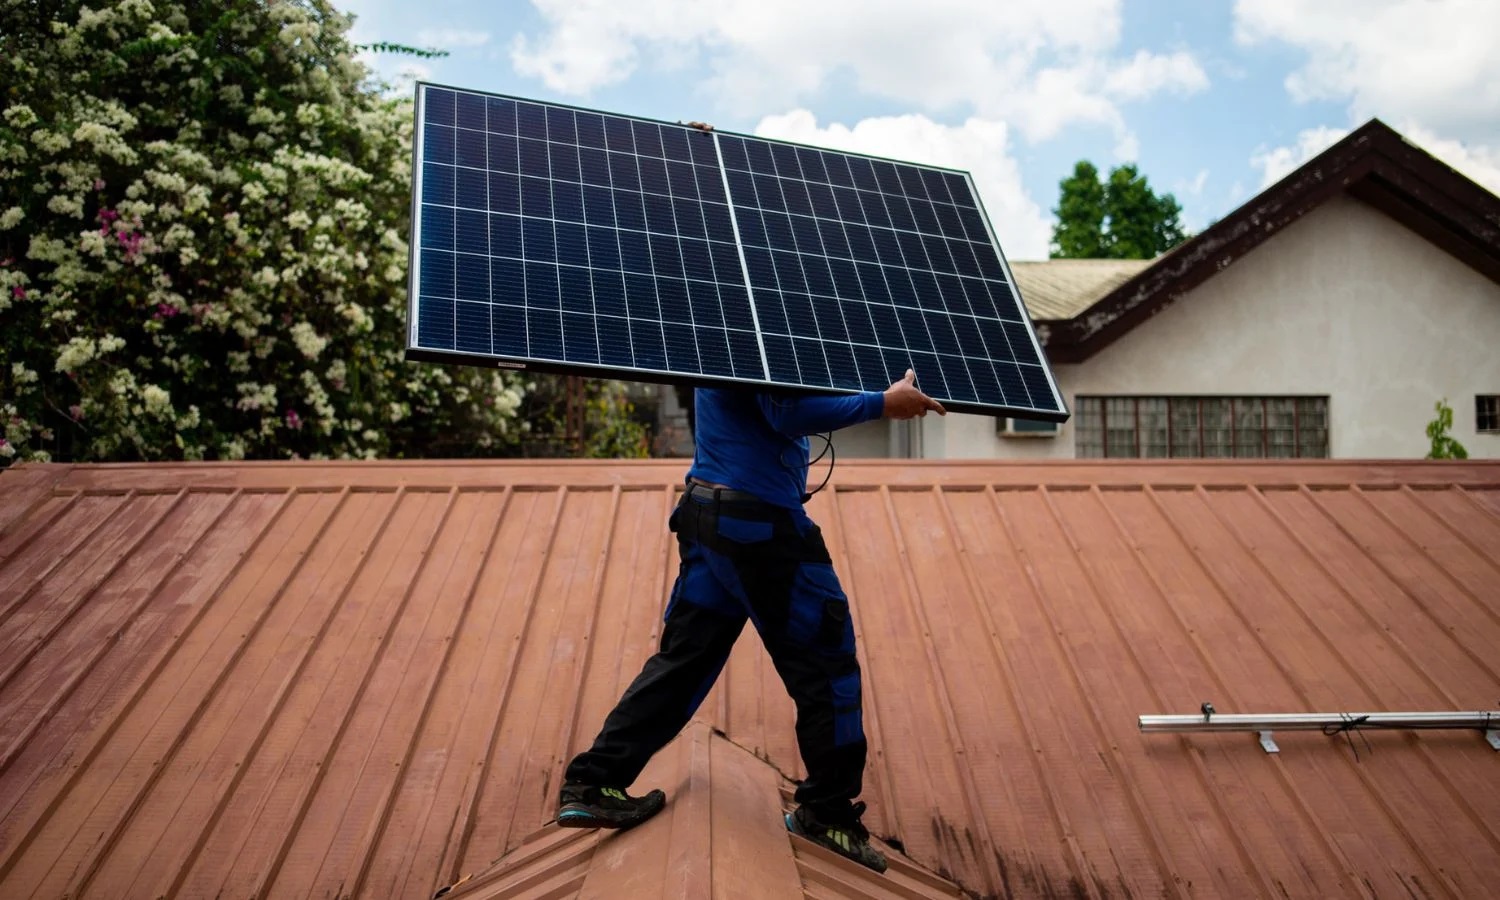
{"x": 848, "y": 719}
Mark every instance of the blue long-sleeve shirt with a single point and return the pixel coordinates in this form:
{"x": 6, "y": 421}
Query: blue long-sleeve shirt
{"x": 756, "y": 441}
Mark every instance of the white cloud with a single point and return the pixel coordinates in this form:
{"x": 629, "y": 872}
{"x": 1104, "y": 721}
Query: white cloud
{"x": 1431, "y": 61}
{"x": 1194, "y": 188}
{"x": 1278, "y": 162}
{"x": 1479, "y": 162}
{"x": 451, "y": 38}
{"x": 1149, "y": 73}
{"x": 1040, "y": 66}
{"x": 981, "y": 147}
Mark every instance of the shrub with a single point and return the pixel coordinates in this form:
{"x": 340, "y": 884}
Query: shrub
{"x": 203, "y": 220}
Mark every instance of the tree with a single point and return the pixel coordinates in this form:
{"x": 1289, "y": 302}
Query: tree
{"x": 203, "y": 220}
{"x": 1444, "y": 445}
{"x": 1120, "y": 218}
{"x": 1079, "y": 233}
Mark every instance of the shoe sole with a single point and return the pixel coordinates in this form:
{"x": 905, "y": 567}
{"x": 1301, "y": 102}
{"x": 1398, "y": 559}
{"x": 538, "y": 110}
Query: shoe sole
{"x": 581, "y": 817}
{"x": 791, "y": 825}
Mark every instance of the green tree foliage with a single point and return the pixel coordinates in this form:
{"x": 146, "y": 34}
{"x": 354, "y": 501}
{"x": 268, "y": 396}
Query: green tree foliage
{"x": 1118, "y": 218}
{"x": 203, "y": 218}
{"x": 1079, "y": 232}
{"x": 1444, "y": 445}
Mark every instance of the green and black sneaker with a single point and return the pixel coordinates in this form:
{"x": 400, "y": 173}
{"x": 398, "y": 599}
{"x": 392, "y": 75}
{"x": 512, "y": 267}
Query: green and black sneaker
{"x": 850, "y": 839}
{"x": 586, "y": 806}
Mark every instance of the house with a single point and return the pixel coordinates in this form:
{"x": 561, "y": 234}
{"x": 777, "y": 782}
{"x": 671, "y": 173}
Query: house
{"x": 321, "y": 679}
{"x": 1323, "y": 318}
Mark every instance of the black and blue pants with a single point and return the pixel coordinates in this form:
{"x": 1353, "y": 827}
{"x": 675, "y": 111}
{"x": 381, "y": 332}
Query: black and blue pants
{"x": 744, "y": 559}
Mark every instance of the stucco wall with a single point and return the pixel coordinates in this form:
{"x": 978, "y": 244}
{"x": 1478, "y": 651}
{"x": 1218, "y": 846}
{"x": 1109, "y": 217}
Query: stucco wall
{"x": 1347, "y": 302}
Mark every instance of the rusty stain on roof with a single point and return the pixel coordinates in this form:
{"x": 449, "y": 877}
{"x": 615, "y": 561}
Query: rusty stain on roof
{"x": 363, "y": 679}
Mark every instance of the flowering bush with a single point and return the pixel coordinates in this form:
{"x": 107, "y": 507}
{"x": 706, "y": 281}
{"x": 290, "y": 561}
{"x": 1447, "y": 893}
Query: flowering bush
{"x": 203, "y": 219}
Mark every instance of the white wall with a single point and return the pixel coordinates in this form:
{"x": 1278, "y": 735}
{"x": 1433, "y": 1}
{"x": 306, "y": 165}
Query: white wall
{"x": 1346, "y": 302}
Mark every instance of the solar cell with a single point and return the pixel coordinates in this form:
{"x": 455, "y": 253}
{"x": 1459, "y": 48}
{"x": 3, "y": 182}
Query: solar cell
{"x": 565, "y": 239}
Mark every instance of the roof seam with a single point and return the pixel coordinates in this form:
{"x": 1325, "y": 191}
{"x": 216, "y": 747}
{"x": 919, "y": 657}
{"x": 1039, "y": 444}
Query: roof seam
{"x": 287, "y": 687}
{"x": 994, "y": 880}
{"x": 1148, "y": 827}
{"x": 1333, "y": 649}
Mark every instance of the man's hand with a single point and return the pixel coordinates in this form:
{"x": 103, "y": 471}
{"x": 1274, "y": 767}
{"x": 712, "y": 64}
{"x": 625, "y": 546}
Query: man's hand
{"x": 904, "y": 401}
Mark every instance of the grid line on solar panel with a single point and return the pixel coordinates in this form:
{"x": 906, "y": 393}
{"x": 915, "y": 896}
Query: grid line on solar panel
{"x": 840, "y": 252}
{"x": 760, "y": 233}
{"x": 543, "y": 182}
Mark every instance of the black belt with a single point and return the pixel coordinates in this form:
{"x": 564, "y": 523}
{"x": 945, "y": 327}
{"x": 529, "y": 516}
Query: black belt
{"x": 727, "y": 495}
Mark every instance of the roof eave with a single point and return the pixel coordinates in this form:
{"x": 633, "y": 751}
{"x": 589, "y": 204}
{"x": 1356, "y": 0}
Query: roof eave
{"x": 1374, "y": 164}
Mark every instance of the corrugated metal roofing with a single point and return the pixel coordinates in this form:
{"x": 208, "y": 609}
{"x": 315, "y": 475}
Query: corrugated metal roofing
{"x": 304, "y": 679}
{"x": 1063, "y": 288}
{"x": 720, "y": 836}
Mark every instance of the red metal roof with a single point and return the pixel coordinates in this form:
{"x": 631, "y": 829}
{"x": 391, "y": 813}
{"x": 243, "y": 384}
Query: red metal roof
{"x": 305, "y": 679}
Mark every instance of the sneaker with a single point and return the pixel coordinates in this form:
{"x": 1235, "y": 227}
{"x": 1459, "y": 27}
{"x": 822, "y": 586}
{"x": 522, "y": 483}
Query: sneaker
{"x": 850, "y": 839}
{"x": 586, "y": 806}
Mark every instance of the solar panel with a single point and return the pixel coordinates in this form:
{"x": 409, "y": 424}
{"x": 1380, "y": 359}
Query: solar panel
{"x": 562, "y": 239}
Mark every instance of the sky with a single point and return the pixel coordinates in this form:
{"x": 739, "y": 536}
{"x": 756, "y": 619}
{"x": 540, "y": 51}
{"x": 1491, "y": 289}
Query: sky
{"x": 1212, "y": 100}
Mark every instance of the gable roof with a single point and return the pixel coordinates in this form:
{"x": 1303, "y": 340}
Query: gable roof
{"x": 363, "y": 679}
{"x": 1374, "y": 164}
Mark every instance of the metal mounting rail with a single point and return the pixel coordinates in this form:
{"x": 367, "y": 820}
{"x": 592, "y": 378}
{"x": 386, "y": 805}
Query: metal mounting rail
{"x": 1329, "y": 723}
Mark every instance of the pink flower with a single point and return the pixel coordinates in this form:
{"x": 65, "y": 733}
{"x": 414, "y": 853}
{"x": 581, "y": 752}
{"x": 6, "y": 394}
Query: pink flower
{"x": 17, "y": 292}
{"x": 165, "y": 311}
{"x": 76, "y": 412}
{"x": 293, "y": 420}
{"x": 98, "y": 184}
{"x": 107, "y": 216}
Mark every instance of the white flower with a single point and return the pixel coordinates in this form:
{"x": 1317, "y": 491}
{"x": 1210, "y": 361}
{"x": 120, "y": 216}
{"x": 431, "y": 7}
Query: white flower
{"x": 50, "y": 141}
{"x": 257, "y": 396}
{"x": 21, "y": 374}
{"x": 158, "y": 401}
{"x": 11, "y": 218}
{"x": 75, "y": 353}
{"x": 298, "y": 220}
{"x": 92, "y": 243}
{"x": 20, "y": 116}
{"x": 308, "y": 342}
{"x": 64, "y": 205}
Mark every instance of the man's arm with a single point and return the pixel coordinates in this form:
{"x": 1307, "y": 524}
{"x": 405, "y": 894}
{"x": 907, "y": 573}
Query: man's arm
{"x": 796, "y": 416}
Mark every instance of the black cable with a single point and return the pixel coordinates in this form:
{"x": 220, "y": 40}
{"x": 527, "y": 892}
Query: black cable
{"x": 1347, "y": 724}
{"x": 832, "y": 461}
{"x": 827, "y": 451}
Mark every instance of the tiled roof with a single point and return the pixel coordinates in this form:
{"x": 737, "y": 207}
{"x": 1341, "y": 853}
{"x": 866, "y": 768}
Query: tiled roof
{"x": 303, "y": 679}
{"x": 1063, "y": 288}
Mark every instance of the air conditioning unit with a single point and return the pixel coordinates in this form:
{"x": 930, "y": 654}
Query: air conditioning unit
{"x": 1026, "y": 428}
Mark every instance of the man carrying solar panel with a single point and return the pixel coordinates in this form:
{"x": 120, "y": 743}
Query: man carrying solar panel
{"x": 749, "y": 551}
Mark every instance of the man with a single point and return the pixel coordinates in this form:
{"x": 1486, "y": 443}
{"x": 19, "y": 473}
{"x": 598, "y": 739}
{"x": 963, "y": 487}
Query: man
{"x": 749, "y": 551}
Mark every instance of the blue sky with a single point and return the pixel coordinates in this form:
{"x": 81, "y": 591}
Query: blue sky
{"x": 1212, "y": 100}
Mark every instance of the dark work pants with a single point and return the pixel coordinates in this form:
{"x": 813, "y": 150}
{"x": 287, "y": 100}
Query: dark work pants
{"x": 746, "y": 559}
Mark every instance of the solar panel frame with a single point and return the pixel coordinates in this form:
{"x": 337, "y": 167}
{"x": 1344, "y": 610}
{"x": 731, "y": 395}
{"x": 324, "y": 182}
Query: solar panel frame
{"x": 793, "y": 230}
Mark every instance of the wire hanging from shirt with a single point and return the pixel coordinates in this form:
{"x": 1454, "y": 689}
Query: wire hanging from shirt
{"x": 807, "y": 470}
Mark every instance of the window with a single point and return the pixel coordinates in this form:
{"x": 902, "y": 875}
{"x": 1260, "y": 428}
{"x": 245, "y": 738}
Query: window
{"x": 1487, "y": 413}
{"x": 1162, "y": 427}
{"x": 1026, "y": 428}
